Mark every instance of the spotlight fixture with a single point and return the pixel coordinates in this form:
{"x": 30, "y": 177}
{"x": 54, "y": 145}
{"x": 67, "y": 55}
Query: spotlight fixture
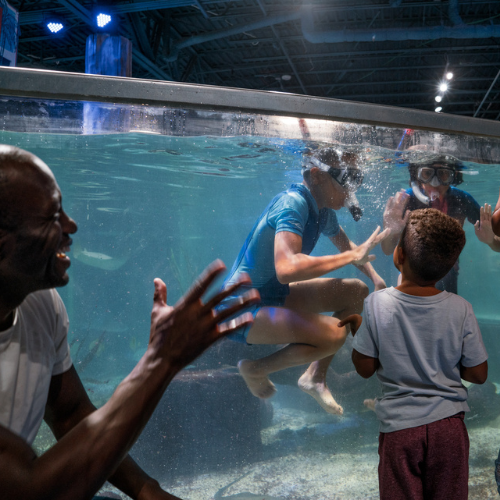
{"x": 438, "y": 109}
{"x": 438, "y": 98}
{"x": 103, "y": 19}
{"x": 449, "y": 75}
{"x": 54, "y": 24}
{"x": 443, "y": 87}
{"x": 55, "y": 27}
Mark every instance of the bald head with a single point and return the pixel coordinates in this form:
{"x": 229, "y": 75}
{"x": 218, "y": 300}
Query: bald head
{"x": 20, "y": 172}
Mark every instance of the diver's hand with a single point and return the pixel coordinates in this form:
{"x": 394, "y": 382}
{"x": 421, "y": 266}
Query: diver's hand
{"x": 483, "y": 228}
{"x": 182, "y": 333}
{"x": 361, "y": 254}
{"x": 354, "y": 320}
{"x": 394, "y": 213}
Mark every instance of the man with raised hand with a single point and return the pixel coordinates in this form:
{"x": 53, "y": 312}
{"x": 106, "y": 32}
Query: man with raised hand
{"x": 37, "y": 378}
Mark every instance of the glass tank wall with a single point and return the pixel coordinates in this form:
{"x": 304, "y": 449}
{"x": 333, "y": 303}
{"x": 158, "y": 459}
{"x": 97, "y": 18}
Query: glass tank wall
{"x": 162, "y": 179}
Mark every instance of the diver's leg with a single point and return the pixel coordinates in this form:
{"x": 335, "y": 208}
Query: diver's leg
{"x": 309, "y": 337}
{"x": 341, "y": 296}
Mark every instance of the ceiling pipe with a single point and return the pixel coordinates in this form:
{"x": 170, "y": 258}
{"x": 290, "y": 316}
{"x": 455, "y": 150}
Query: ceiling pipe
{"x": 453, "y": 13}
{"x": 462, "y": 31}
{"x": 235, "y": 30}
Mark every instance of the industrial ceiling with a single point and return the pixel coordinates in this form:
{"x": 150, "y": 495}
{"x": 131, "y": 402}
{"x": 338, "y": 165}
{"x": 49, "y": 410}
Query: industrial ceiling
{"x": 394, "y": 52}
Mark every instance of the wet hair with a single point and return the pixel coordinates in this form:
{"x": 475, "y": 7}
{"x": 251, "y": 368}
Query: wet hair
{"x": 10, "y": 158}
{"x": 447, "y": 161}
{"x": 432, "y": 242}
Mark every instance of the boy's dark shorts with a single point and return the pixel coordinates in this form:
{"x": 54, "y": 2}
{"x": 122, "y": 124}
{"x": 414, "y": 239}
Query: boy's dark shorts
{"x": 429, "y": 461}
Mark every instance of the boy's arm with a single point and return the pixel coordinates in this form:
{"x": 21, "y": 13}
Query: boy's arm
{"x": 293, "y": 265}
{"x": 475, "y": 374}
{"x": 344, "y": 244}
{"x": 365, "y": 365}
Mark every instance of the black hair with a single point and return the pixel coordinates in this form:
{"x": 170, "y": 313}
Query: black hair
{"x": 432, "y": 242}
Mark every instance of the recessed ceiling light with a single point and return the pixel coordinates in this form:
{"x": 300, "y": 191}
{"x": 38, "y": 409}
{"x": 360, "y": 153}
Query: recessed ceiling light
{"x": 438, "y": 109}
{"x": 443, "y": 87}
{"x": 438, "y": 98}
{"x": 449, "y": 75}
{"x": 286, "y": 78}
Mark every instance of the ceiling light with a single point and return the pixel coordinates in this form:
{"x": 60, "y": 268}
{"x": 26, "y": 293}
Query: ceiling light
{"x": 449, "y": 75}
{"x": 55, "y": 27}
{"x": 438, "y": 109}
{"x": 438, "y": 98}
{"x": 286, "y": 78}
{"x": 103, "y": 20}
{"x": 443, "y": 87}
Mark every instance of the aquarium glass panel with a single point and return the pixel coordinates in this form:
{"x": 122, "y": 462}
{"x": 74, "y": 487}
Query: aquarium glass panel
{"x": 160, "y": 191}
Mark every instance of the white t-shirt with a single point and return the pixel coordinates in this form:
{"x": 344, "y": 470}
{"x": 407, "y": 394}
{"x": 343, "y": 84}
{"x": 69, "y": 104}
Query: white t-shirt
{"x": 420, "y": 343}
{"x": 32, "y": 350}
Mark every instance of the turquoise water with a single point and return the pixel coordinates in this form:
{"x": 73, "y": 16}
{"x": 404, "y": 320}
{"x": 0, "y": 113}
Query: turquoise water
{"x": 156, "y": 206}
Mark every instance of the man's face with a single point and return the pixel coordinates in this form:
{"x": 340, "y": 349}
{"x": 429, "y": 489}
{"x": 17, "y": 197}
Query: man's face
{"x": 42, "y": 237}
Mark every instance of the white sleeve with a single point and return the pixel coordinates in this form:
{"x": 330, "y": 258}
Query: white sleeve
{"x": 60, "y": 335}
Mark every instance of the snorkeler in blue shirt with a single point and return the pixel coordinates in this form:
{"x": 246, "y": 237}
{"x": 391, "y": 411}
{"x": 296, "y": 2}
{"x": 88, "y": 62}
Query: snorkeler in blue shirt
{"x": 277, "y": 257}
{"x": 432, "y": 185}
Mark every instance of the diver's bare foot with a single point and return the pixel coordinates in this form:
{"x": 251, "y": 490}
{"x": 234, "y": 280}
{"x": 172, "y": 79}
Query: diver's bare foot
{"x": 370, "y": 404}
{"x": 259, "y": 385}
{"x": 320, "y": 392}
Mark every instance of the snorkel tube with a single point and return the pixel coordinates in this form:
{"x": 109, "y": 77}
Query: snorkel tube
{"x": 418, "y": 194}
{"x": 352, "y": 205}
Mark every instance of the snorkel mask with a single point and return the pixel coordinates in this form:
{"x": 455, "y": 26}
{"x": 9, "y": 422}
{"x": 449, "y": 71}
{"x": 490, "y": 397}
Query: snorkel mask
{"x": 346, "y": 175}
{"x": 437, "y": 170}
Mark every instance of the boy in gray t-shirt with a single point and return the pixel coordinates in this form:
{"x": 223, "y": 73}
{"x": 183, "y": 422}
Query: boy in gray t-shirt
{"x": 421, "y": 342}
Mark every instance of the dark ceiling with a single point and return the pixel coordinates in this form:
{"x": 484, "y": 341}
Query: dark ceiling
{"x": 381, "y": 51}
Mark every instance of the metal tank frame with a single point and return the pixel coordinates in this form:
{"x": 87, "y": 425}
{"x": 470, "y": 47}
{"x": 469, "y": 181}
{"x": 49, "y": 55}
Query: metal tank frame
{"x": 56, "y": 85}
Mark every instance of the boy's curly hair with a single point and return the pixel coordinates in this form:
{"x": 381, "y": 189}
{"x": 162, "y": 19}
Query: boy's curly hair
{"x": 432, "y": 242}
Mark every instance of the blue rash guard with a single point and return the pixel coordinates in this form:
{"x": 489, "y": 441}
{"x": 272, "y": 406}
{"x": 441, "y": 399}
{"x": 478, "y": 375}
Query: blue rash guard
{"x": 457, "y": 204}
{"x": 295, "y": 211}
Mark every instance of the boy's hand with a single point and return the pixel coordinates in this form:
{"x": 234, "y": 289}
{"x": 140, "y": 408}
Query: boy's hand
{"x": 395, "y": 210}
{"x": 354, "y": 320}
{"x": 361, "y": 253}
{"x": 183, "y": 332}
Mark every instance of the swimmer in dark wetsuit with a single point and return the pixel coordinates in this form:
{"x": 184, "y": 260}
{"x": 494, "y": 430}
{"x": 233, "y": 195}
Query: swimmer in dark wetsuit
{"x": 433, "y": 180}
{"x": 276, "y": 256}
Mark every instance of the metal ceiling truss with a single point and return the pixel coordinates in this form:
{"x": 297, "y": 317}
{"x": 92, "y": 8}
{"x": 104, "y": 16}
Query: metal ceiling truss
{"x": 383, "y": 51}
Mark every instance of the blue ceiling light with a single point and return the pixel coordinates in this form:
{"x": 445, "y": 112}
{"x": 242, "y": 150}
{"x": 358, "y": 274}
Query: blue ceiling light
{"x": 54, "y": 25}
{"x": 103, "y": 19}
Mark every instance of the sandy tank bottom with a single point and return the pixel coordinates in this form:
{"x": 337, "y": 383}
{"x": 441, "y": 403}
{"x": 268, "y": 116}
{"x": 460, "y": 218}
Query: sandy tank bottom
{"x": 325, "y": 476}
